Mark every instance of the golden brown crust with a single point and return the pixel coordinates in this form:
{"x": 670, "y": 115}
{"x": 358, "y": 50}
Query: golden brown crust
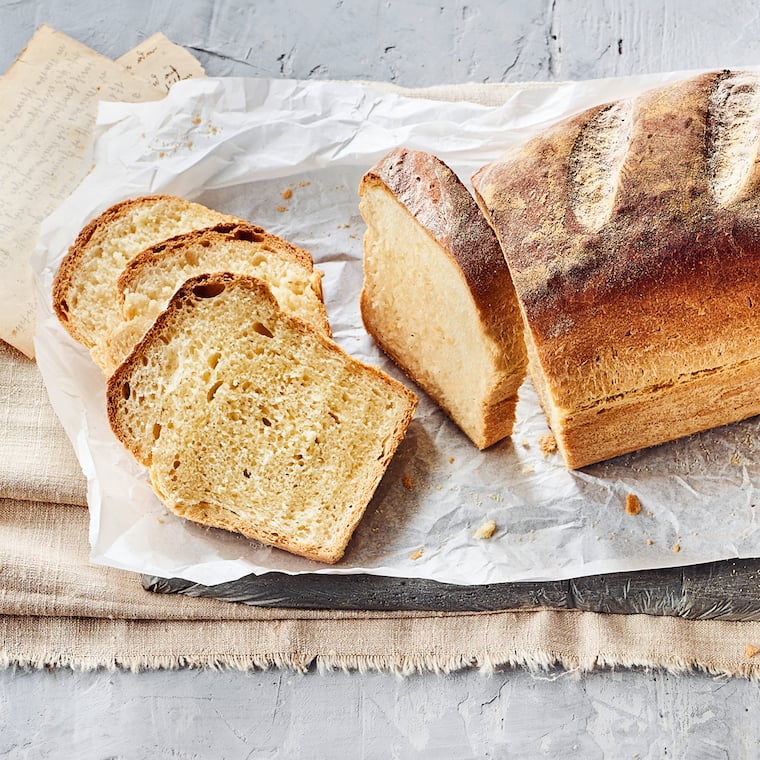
{"x": 666, "y": 287}
{"x": 218, "y": 515}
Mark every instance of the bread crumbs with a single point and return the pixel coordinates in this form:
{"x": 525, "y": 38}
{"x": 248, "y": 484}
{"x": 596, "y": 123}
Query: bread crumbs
{"x": 486, "y": 530}
{"x": 650, "y": 542}
{"x": 548, "y": 444}
{"x": 451, "y": 460}
{"x": 408, "y": 482}
{"x": 632, "y": 504}
{"x": 287, "y": 194}
{"x": 750, "y": 650}
{"x": 416, "y": 555}
{"x": 197, "y": 120}
{"x": 676, "y": 548}
{"x": 282, "y": 208}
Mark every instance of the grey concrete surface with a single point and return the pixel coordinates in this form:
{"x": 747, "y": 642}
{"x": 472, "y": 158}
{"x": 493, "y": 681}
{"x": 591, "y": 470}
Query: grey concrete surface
{"x": 281, "y": 714}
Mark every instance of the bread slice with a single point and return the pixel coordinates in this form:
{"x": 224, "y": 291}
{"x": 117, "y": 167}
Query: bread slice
{"x": 151, "y": 278}
{"x": 252, "y": 421}
{"x": 632, "y": 231}
{"x": 437, "y": 293}
{"x": 85, "y": 297}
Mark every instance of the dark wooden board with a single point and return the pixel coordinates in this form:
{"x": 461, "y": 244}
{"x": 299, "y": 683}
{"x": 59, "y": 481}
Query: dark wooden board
{"x": 728, "y": 590}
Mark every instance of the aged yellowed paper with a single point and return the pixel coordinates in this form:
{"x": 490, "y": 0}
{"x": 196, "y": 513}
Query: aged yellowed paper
{"x": 50, "y": 98}
{"x": 161, "y": 62}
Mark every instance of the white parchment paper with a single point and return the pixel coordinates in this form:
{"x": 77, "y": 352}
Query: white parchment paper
{"x": 239, "y": 146}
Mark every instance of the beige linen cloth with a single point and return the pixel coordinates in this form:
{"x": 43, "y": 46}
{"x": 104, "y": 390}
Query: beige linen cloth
{"x": 56, "y": 609}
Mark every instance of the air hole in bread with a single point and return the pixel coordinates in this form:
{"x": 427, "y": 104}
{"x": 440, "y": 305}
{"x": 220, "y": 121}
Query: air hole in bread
{"x": 212, "y": 390}
{"x": 246, "y": 473}
{"x": 267, "y": 423}
{"x": 126, "y": 391}
{"x": 213, "y": 360}
{"x": 191, "y": 256}
{"x": 262, "y": 329}
{"x": 335, "y": 417}
{"x": 65, "y": 311}
{"x": 209, "y": 290}
{"x": 251, "y": 236}
{"x": 205, "y": 244}
{"x": 156, "y": 431}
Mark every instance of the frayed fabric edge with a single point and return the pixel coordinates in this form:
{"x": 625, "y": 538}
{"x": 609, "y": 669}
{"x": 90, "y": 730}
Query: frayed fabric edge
{"x": 541, "y": 664}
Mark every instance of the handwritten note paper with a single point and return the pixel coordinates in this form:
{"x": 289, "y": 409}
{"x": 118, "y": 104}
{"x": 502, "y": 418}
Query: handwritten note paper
{"x": 50, "y": 98}
{"x": 161, "y": 62}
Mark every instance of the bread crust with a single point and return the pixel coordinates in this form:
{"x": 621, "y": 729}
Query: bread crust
{"x": 663, "y": 292}
{"x": 217, "y": 515}
{"x": 443, "y": 207}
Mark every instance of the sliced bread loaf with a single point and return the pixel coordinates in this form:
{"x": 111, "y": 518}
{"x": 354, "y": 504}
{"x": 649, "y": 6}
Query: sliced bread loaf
{"x": 85, "y": 297}
{"x": 152, "y": 277}
{"x": 252, "y": 421}
{"x": 632, "y": 232}
{"x": 437, "y": 293}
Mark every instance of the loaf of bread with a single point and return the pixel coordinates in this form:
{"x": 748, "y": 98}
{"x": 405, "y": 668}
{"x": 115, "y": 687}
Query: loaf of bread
{"x": 253, "y": 421}
{"x": 152, "y": 277}
{"x": 632, "y": 232}
{"x": 85, "y": 296}
{"x": 437, "y": 293}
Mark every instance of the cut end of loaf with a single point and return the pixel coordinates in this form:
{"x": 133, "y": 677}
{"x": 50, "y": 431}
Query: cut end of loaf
{"x": 251, "y": 421}
{"x": 437, "y": 294}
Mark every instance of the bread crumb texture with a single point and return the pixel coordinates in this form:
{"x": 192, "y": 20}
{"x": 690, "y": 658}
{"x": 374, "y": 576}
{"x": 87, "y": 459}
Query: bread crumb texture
{"x": 676, "y": 548}
{"x": 151, "y": 278}
{"x": 416, "y": 555}
{"x": 252, "y": 421}
{"x": 548, "y": 444}
{"x": 486, "y": 530}
{"x": 750, "y": 650}
{"x": 632, "y": 504}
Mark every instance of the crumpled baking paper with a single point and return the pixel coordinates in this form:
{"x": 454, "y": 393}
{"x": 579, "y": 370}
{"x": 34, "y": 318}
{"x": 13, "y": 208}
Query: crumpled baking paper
{"x": 288, "y": 155}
